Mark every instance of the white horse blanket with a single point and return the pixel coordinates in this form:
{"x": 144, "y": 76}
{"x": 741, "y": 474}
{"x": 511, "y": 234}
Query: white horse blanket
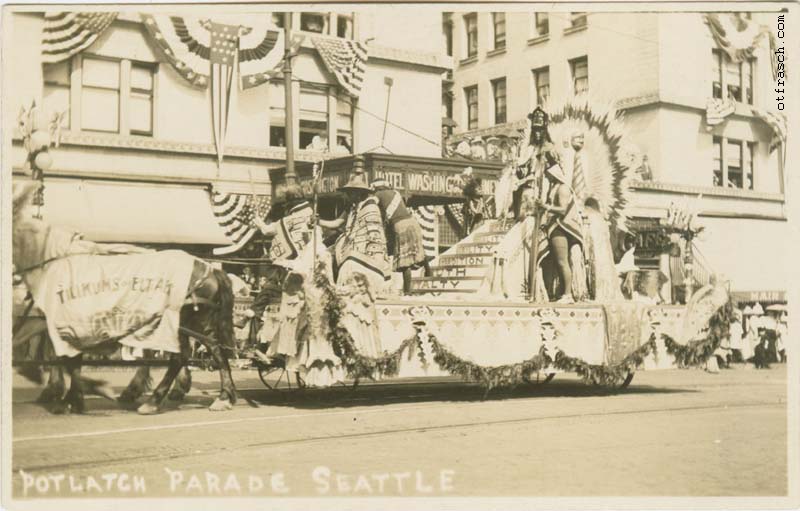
{"x": 135, "y": 299}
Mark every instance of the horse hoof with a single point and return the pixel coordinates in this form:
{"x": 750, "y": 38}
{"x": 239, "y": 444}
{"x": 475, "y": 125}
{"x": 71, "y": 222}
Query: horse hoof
{"x": 147, "y": 409}
{"x": 176, "y": 395}
{"x": 127, "y": 397}
{"x": 59, "y": 408}
{"x": 220, "y": 405}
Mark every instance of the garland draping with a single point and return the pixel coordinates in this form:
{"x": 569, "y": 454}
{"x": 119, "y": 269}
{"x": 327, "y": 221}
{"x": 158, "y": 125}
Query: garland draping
{"x": 359, "y": 366}
{"x": 736, "y": 35}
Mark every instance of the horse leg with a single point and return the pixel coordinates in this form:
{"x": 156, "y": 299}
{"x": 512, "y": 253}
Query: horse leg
{"x": 55, "y": 388}
{"x": 72, "y": 401}
{"x": 139, "y": 384}
{"x": 183, "y": 384}
{"x": 153, "y": 405}
{"x": 227, "y": 393}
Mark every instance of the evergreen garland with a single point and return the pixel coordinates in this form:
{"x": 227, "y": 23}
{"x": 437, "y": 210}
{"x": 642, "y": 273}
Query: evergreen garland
{"x": 358, "y": 366}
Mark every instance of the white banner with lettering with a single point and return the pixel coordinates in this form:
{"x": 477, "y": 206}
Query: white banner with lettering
{"x": 90, "y": 300}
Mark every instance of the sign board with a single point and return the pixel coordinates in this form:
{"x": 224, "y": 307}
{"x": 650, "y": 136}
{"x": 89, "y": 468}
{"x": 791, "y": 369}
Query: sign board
{"x": 759, "y": 296}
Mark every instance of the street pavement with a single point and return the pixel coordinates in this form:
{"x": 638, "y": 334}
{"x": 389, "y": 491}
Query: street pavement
{"x": 671, "y": 433}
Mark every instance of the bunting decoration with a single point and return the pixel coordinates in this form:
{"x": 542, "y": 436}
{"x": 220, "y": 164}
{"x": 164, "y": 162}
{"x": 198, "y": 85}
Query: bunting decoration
{"x": 736, "y": 35}
{"x": 777, "y": 122}
{"x": 68, "y": 33}
{"x": 235, "y": 213}
{"x": 245, "y": 49}
{"x": 717, "y": 110}
{"x": 346, "y": 60}
{"x": 187, "y": 44}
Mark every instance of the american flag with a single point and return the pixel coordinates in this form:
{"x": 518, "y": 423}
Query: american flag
{"x": 235, "y": 213}
{"x": 429, "y": 223}
{"x": 67, "y": 33}
{"x": 346, "y": 60}
{"x": 717, "y": 110}
{"x": 224, "y": 59}
{"x": 777, "y": 122}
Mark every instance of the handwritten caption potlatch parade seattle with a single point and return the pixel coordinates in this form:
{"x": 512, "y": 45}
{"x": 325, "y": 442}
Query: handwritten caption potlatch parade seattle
{"x": 322, "y": 480}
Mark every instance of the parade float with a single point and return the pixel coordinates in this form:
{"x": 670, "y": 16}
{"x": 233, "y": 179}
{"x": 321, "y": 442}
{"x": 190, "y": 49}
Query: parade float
{"x": 484, "y": 314}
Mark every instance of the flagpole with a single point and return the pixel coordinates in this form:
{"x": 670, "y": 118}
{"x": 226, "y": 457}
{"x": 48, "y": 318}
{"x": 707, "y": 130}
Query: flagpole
{"x": 291, "y": 177}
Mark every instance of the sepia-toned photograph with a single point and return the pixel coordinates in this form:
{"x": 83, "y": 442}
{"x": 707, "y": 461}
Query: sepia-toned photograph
{"x": 398, "y": 256}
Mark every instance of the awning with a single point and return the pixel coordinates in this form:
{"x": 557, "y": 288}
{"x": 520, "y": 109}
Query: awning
{"x": 119, "y": 211}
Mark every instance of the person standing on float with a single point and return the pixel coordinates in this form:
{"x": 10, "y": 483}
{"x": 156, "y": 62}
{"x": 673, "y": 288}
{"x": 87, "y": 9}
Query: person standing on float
{"x": 403, "y": 233}
{"x": 361, "y": 248}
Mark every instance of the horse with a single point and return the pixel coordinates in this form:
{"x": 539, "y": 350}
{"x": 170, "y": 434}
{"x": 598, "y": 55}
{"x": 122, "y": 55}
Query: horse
{"x": 206, "y": 315}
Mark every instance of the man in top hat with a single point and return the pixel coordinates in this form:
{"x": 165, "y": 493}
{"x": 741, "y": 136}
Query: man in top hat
{"x": 403, "y": 233}
{"x": 362, "y": 247}
{"x": 561, "y": 227}
{"x": 474, "y": 205}
{"x": 538, "y": 155}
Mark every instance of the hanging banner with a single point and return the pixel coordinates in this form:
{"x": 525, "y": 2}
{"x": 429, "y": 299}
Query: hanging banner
{"x": 68, "y": 33}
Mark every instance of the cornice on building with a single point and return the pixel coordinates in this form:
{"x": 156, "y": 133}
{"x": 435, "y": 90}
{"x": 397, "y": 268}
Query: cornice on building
{"x": 99, "y": 140}
{"x": 706, "y": 191}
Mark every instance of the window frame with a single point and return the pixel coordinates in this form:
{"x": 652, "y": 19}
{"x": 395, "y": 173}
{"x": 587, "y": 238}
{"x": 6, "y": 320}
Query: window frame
{"x": 539, "y": 22}
{"x": 67, "y": 86}
{"x": 721, "y": 147}
{"x": 573, "y": 64}
{"x": 153, "y": 68}
{"x": 578, "y": 19}
{"x": 83, "y": 87}
{"x": 744, "y": 74}
{"x": 536, "y": 74}
{"x": 471, "y": 34}
{"x": 499, "y": 44}
{"x": 496, "y": 83}
{"x": 467, "y": 94}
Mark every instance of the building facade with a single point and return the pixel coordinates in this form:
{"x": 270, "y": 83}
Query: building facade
{"x": 696, "y": 115}
{"x": 137, "y": 160}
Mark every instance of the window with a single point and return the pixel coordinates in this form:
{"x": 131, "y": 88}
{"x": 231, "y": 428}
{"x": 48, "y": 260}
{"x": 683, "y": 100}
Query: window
{"x": 716, "y": 74}
{"x": 313, "y": 22}
{"x": 749, "y": 153}
{"x": 471, "y": 27}
{"x": 499, "y": 23}
{"x": 580, "y": 75}
{"x": 313, "y": 116}
{"x": 57, "y": 88}
{"x": 100, "y": 95}
{"x": 499, "y": 92}
{"x": 471, "y": 93}
{"x": 731, "y": 80}
{"x": 577, "y": 19}
{"x": 447, "y": 30}
{"x": 141, "y": 99}
{"x": 541, "y": 84}
{"x": 733, "y": 155}
{"x": 733, "y": 163}
{"x": 277, "y": 115}
{"x": 344, "y": 121}
{"x": 344, "y": 26}
{"x": 541, "y": 24}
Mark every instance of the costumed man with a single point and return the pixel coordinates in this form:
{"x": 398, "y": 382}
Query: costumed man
{"x": 474, "y": 203}
{"x": 291, "y": 234}
{"x": 538, "y": 155}
{"x": 362, "y": 247}
{"x": 403, "y": 233}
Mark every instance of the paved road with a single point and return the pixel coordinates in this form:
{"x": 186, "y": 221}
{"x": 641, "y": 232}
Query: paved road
{"x": 676, "y": 433}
